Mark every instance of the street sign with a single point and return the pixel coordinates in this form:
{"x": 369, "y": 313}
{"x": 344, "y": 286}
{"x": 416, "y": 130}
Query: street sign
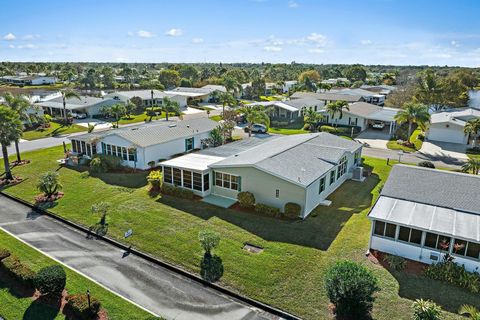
{"x": 128, "y": 233}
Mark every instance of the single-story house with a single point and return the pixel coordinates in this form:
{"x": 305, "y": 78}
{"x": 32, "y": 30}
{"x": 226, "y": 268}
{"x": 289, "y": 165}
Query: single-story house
{"x": 302, "y": 169}
{"x": 334, "y": 81}
{"x": 203, "y": 94}
{"x": 448, "y": 126}
{"x": 382, "y": 89}
{"x": 368, "y": 96}
{"x": 328, "y": 96}
{"x": 422, "y": 214}
{"x": 146, "y": 97}
{"x": 86, "y": 104}
{"x": 290, "y": 110}
{"x": 140, "y": 145}
{"x": 362, "y": 115}
{"x": 35, "y": 80}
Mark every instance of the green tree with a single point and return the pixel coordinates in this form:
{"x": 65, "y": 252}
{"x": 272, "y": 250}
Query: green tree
{"x": 209, "y": 240}
{"x": 356, "y": 73}
{"x": 232, "y": 85}
{"x": 429, "y": 90}
{"x": 49, "y": 183}
{"x": 101, "y": 209}
{"x": 336, "y": 107}
{"x": 169, "y": 78}
{"x": 20, "y": 105}
{"x": 130, "y": 108}
{"x": 51, "y": 280}
{"x": 472, "y": 128}
{"x": 117, "y": 111}
{"x": 313, "y": 75}
{"x": 312, "y": 118}
{"x": 10, "y": 131}
{"x": 68, "y": 94}
{"x": 216, "y": 136}
{"x": 170, "y": 106}
{"x": 470, "y": 311}
{"x": 255, "y": 114}
{"x": 472, "y": 166}
{"x": 226, "y": 98}
{"x": 413, "y": 113}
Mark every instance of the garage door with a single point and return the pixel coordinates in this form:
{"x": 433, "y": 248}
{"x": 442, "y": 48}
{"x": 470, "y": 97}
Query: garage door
{"x": 451, "y": 134}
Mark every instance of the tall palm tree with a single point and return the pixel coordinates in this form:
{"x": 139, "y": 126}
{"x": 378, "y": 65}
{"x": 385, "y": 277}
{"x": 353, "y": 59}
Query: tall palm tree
{"x": 336, "y": 107}
{"x": 68, "y": 94}
{"x": 413, "y": 113}
{"x": 472, "y": 165}
{"x": 10, "y": 130}
{"x": 169, "y": 105}
{"x": 20, "y": 105}
{"x": 255, "y": 114}
{"x": 312, "y": 118}
{"x": 226, "y": 98}
{"x": 472, "y": 312}
{"x": 472, "y": 127}
{"x": 117, "y": 110}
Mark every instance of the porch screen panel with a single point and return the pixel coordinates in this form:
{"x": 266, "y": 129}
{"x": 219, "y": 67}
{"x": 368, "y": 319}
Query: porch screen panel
{"x": 177, "y": 177}
{"x": 197, "y": 181}
{"x": 187, "y": 179}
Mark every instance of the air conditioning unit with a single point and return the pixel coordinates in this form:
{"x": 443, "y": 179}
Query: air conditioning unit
{"x": 358, "y": 174}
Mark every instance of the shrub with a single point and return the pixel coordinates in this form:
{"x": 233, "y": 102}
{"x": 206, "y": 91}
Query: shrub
{"x": 267, "y": 210}
{"x": 474, "y": 150}
{"x": 426, "y": 164}
{"x": 49, "y": 183}
{"x": 151, "y": 164}
{"x": 306, "y": 127}
{"x": 77, "y": 305}
{"x": 292, "y": 210}
{"x": 18, "y": 270}
{"x": 209, "y": 240}
{"x": 455, "y": 274}
{"x": 154, "y": 179}
{"x": 328, "y": 129}
{"x": 246, "y": 199}
{"x": 177, "y": 192}
{"x": 103, "y": 163}
{"x": 51, "y": 280}
{"x": 97, "y": 165}
{"x": 425, "y": 310}
{"x": 4, "y": 253}
{"x": 350, "y": 287}
{"x": 395, "y": 262}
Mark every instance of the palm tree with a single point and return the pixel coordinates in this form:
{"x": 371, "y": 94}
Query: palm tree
{"x": 255, "y": 114}
{"x": 472, "y": 165}
{"x": 312, "y": 118}
{"x": 117, "y": 110}
{"x": 68, "y": 94}
{"x": 231, "y": 84}
{"x": 226, "y": 98}
{"x": 472, "y": 312}
{"x": 10, "y": 130}
{"x": 20, "y": 105}
{"x": 170, "y": 106}
{"x": 472, "y": 127}
{"x": 336, "y": 107}
{"x": 413, "y": 113}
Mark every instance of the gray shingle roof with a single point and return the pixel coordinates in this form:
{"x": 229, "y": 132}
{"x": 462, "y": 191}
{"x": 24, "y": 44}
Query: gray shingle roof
{"x": 434, "y": 187}
{"x": 327, "y": 96}
{"x": 142, "y": 94}
{"x": 73, "y": 103}
{"x": 304, "y": 102}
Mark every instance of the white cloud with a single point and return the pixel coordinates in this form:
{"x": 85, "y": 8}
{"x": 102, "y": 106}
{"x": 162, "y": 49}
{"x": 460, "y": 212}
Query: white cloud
{"x": 366, "y": 42}
{"x": 272, "y": 48}
{"x": 27, "y": 46}
{"x": 9, "y": 37}
{"x": 292, "y": 4}
{"x": 174, "y": 32}
{"x": 30, "y": 37}
{"x": 318, "y": 39}
{"x": 197, "y": 40}
{"x": 145, "y": 34}
{"x": 455, "y": 43}
{"x": 316, "y": 50}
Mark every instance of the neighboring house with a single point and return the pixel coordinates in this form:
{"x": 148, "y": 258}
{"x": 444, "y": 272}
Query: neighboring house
{"x": 302, "y": 169}
{"x": 88, "y": 105}
{"x": 203, "y": 94}
{"x": 363, "y": 115}
{"x": 335, "y": 81}
{"x": 290, "y": 110}
{"x": 328, "y": 97}
{"x": 288, "y": 85}
{"x": 142, "y": 144}
{"x": 422, "y": 214}
{"x": 382, "y": 89}
{"x": 448, "y": 126}
{"x": 146, "y": 97}
{"x": 28, "y": 80}
{"x": 367, "y": 96}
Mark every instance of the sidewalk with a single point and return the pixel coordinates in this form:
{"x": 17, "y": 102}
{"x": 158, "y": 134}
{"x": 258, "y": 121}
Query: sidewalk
{"x": 159, "y": 290}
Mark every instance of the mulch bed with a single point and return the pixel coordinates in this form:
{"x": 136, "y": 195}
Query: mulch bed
{"x": 412, "y": 267}
{"x": 19, "y": 163}
{"x": 14, "y": 181}
{"x": 42, "y": 198}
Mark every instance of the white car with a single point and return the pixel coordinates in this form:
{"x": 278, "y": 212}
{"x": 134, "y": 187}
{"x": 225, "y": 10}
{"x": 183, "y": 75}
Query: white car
{"x": 79, "y": 115}
{"x": 378, "y": 125}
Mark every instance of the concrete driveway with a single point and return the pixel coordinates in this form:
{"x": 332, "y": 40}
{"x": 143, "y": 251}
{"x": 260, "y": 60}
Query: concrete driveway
{"x": 444, "y": 150}
{"x": 99, "y": 124}
{"x": 374, "y": 138}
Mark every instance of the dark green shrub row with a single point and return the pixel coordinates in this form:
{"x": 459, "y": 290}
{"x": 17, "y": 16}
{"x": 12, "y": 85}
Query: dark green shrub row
{"x": 267, "y": 210}
{"x": 77, "y": 306}
{"x": 292, "y": 210}
{"x": 328, "y": 129}
{"x": 177, "y": 192}
{"x": 474, "y": 150}
{"x": 455, "y": 274}
{"x": 4, "y": 253}
{"x": 103, "y": 163}
{"x": 246, "y": 199}
{"x": 18, "y": 270}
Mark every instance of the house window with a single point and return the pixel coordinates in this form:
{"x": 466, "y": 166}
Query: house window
{"x": 197, "y": 181}
{"x": 187, "y": 179}
{"x": 167, "y": 174}
{"x": 124, "y": 153}
{"x": 74, "y": 145}
{"x": 109, "y": 149}
{"x": 410, "y": 235}
{"x": 357, "y": 157}
{"x": 177, "y": 177}
{"x": 322, "y": 185}
{"x": 431, "y": 240}
{"x": 332, "y": 177}
{"x": 460, "y": 247}
{"x": 385, "y": 229}
{"x": 416, "y": 236}
{"x": 84, "y": 147}
{"x": 277, "y": 193}
{"x": 473, "y": 250}
{"x": 226, "y": 180}
{"x": 379, "y": 228}
{"x": 132, "y": 155}
{"x": 189, "y": 144}
{"x": 94, "y": 148}
{"x": 342, "y": 167}
{"x": 390, "y": 230}
{"x": 444, "y": 243}
{"x": 206, "y": 181}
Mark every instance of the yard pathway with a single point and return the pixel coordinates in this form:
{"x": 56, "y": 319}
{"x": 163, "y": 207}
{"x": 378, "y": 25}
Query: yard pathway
{"x": 159, "y": 290}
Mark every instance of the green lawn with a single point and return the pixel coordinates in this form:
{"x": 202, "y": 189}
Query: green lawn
{"x": 14, "y": 305}
{"x": 216, "y": 118}
{"x": 393, "y": 145}
{"x": 287, "y": 274}
{"x": 287, "y": 131}
{"x": 135, "y": 118}
{"x": 55, "y": 129}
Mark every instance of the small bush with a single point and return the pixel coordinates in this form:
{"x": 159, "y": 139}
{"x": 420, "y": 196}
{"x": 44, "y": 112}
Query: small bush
{"x": 328, "y": 129}
{"x": 306, "y": 127}
{"x": 154, "y": 179}
{"x": 103, "y": 163}
{"x": 4, "y": 253}
{"x": 209, "y": 240}
{"x": 98, "y": 166}
{"x": 292, "y": 210}
{"x": 426, "y": 164}
{"x": 425, "y": 310}
{"x": 350, "y": 287}
{"x": 77, "y": 306}
{"x": 246, "y": 199}
{"x": 18, "y": 270}
{"x": 51, "y": 280}
{"x": 395, "y": 262}
{"x": 267, "y": 210}
{"x": 177, "y": 192}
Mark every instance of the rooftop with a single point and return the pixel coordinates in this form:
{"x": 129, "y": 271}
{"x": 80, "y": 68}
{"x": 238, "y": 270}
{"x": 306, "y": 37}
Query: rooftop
{"x": 143, "y": 94}
{"x": 327, "y": 96}
{"x": 372, "y": 111}
{"x": 73, "y": 103}
{"x": 459, "y": 117}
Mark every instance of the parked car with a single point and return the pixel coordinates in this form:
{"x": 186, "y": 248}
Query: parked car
{"x": 79, "y": 115}
{"x": 378, "y": 125}
{"x": 257, "y": 128}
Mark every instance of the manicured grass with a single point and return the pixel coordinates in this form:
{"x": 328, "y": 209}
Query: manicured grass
{"x": 55, "y": 129}
{"x": 135, "y": 118}
{"x": 393, "y": 145}
{"x": 14, "y": 305}
{"x": 287, "y": 274}
{"x": 287, "y": 131}
{"x": 216, "y": 118}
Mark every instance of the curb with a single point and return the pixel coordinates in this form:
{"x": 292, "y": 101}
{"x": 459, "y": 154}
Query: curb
{"x": 166, "y": 265}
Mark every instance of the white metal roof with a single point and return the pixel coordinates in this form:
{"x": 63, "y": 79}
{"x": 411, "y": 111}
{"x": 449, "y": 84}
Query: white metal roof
{"x": 192, "y": 161}
{"x": 436, "y": 219}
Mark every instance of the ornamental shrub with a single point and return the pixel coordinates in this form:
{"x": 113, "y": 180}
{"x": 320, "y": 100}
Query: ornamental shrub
{"x": 77, "y": 306}
{"x": 267, "y": 210}
{"x": 177, "y": 192}
{"x": 455, "y": 274}
{"x": 97, "y": 165}
{"x": 425, "y": 310}
{"x": 395, "y": 262}
{"x": 328, "y": 129}
{"x": 18, "y": 270}
{"x": 246, "y": 199}
{"x": 154, "y": 179}
{"x": 426, "y": 164}
{"x": 51, "y": 280}
{"x": 350, "y": 287}
{"x": 209, "y": 240}
{"x": 292, "y": 210}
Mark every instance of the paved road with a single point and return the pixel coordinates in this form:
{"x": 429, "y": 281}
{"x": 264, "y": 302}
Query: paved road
{"x": 157, "y": 289}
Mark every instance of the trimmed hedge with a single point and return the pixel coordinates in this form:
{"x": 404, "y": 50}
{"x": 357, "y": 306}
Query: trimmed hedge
{"x": 103, "y": 163}
{"x": 4, "y": 253}
{"x": 18, "y": 270}
{"x": 328, "y": 129}
{"x": 51, "y": 280}
{"x": 77, "y": 306}
{"x": 246, "y": 199}
{"x": 292, "y": 210}
{"x": 177, "y": 192}
{"x": 267, "y": 210}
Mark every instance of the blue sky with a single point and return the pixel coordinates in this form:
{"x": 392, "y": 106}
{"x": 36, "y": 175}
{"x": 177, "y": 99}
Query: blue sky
{"x": 404, "y": 32}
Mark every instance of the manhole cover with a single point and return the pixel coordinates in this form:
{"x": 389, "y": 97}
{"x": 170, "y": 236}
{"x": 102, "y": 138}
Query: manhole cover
{"x": 252, "y": 248}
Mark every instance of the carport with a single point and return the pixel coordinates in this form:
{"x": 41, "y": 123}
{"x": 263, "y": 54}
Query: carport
{"x": 386, "y": 115}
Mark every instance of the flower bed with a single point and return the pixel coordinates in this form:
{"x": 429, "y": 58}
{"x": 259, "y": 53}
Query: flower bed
{"x": 6, "y": 182}
{"x": 42, "y": 198}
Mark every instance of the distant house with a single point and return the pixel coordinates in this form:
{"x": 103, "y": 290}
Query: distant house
{"x": 448, "y": 126}
{"x": 423, "y": 214}
{"x": 368, "y": 96}
{"x": 88, "y": 105}
{"x": 146, "y": 97}
{"x": 35, "y": 80}
{"x": 379, "y": 89}
{"x": 203, "y": 94}
{"x": 302, "y": 169}
{"x": 137, "y": 146}
{"x": 327, "y": 96}
{"x": 291, "y": 110}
